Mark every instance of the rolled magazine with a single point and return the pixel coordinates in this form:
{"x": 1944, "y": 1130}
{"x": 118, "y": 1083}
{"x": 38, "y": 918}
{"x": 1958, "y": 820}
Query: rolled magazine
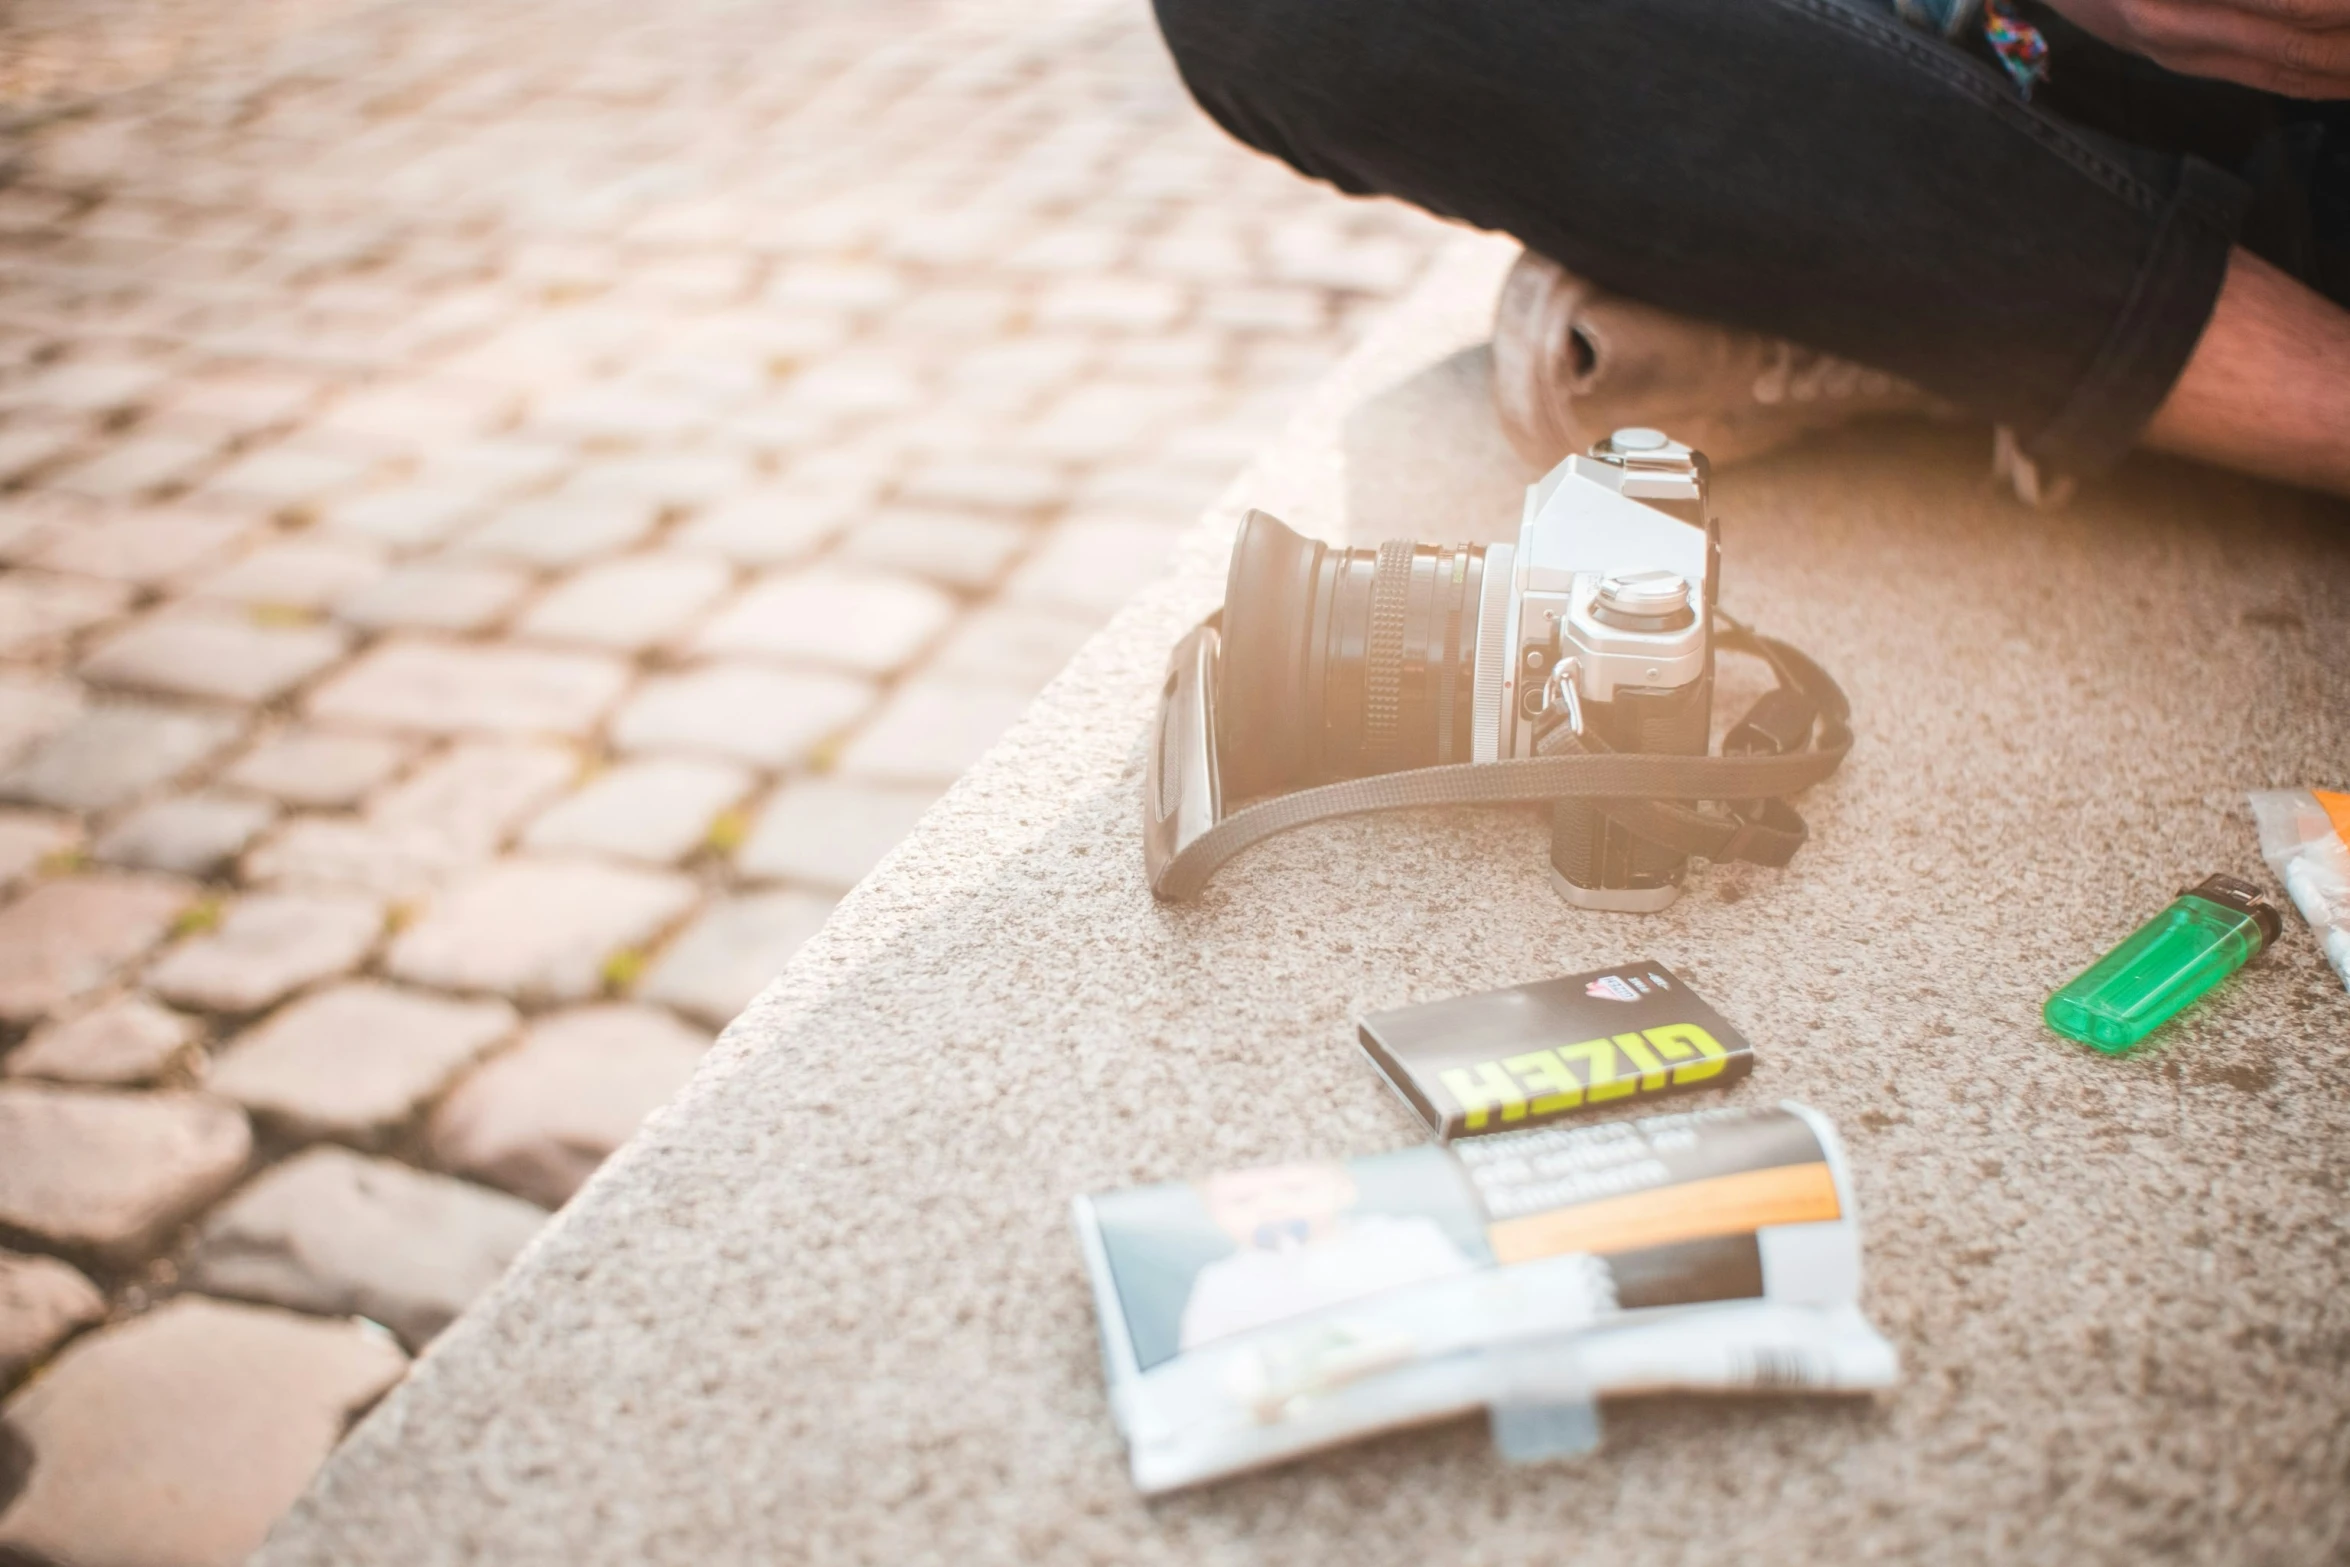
{"x": 1260, "y": 1314}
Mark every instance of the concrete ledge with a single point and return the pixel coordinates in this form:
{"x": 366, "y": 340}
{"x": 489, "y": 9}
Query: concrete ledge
{"x": 827, "y": 1309}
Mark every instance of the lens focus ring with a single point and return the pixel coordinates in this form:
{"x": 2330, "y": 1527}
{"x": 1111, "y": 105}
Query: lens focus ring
{"x": 1341, "y": 662}
{"x": 1391, "y": 591}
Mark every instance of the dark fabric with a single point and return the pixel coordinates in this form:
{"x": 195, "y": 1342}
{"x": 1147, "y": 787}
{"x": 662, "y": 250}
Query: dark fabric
{"x": 2295, "y": 156}
{"x": 1810, "y": 168}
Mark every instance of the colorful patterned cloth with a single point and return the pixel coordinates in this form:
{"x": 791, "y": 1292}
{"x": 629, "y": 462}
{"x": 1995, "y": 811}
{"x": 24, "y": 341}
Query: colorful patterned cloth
{"x": 2019, "y": 45}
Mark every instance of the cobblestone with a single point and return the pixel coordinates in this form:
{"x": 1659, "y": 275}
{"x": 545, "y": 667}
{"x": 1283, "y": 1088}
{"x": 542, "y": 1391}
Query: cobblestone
{"x": 435, "y": 595}
{"x": 354, "y": 1062}
{"x": 766, "y": 717}
{"x": 632, "y": 417}
{"x": 179, "y": 1437}
{"x": 212, "y": 653}
{"x": 657, "y": 810}
{"x": 1118, "y": 304}
{"x": 726, "y": 956}
{"x": 1105, "y": 414}
{"x": 266, "y": 947}
{"x": 338, "y": 1234}
{"x": 129, "y": 469}
{"x": 773, "y": 527}
{"x": 537, "y": 1120}
{"x": 611, "y": 412}
{"x": 317, "y": 768}
{"x": 629, "y": 603}
{"x": 1091, "y": 567}
{"x": 537, "y": 930}
{"x": 307, "y": 574}
{"x": 859, "y": 621}
{"x": 112, "y": 1175}
{"x": 408, "y": 516}
{"x": 32, "y": 708}
{"x": 954, "y": 549}
{"x": 238, "y": 403}
{"x": 477, "y": 792}
{"x": 446, "y": 409}
{"x": 29, "y": 443}
{"x": 679, "y": 480}
{"x": 931, "y": 730}
{"x": 827, "y": 833}
{"x": 114, "y": 751}
{"x": 38, "y": 609}
{"x": 187, "y": 835}
{"x": 29, "y": 837}
{"x": 564, "y": 530}
{"x": 987, "y": 484}
{"x": 144, "y": 546}
{"x": 448, "y": 688}
{"x": 493, "y": 469}
{"x": 42, "y": 1301}
{"x": 125, "y": 1041}
{"x": 448, "y": 815}
{"x": 288, "y": 476}
{"x": 67, "y": 937}
{"x": 94, "y": 385}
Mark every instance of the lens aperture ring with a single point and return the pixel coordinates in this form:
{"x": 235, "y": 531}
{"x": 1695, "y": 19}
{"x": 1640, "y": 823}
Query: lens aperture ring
{"x": 1391, "y": 590}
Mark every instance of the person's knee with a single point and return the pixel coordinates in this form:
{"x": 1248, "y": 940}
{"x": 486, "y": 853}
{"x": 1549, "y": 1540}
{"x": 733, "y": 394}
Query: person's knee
{"x": 1218, "y": 47}
{"x": 1199, "y": 34}
{"x": 1314, "y": 83}
{"x": 1419, "y": 99}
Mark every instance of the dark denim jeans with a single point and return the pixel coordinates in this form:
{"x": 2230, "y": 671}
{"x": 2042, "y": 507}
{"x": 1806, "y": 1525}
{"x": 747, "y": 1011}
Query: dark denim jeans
{"x": 1816, "y": 169}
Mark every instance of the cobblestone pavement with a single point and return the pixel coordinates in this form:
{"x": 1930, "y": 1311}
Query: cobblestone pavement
{"x": 512, "y": 509}
{"x": 62, "y": 55}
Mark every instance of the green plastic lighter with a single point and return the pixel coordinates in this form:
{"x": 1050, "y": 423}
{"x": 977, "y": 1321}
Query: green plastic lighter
{"x": 2214, "y": 929}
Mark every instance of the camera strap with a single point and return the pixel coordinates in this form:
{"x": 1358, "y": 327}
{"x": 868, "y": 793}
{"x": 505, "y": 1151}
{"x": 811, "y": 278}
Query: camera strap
{"x": 1797, "y": 735}
{"x": 1764, "y": 831}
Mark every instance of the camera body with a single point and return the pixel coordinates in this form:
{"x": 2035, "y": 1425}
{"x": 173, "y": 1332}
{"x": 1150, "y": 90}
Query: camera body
{"x": 1605, "y": 623}
{"x": 1348, "y": 673}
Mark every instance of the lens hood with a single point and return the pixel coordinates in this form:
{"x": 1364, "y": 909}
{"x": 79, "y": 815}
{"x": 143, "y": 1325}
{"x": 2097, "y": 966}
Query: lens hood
{"x": 1264, "y": 723}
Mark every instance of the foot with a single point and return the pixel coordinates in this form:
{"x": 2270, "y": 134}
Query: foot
{"x": 1572, "y": 362}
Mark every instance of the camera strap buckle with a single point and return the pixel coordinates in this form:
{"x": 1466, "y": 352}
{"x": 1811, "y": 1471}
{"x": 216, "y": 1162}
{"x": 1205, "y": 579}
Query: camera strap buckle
{"x": 1769, "y": 832}
{"x": 1560, "y": 696}
{"x": 1762, "y": 831}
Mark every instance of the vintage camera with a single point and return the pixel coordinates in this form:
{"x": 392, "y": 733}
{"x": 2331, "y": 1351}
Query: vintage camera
{"x": 1333, "y": 663}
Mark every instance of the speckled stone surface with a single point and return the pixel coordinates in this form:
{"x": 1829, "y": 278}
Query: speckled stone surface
{"x": 828, "y": 1309}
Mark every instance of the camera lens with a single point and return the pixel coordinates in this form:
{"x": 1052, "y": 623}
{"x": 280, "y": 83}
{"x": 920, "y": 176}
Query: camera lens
{"x": 1341, "y": 662}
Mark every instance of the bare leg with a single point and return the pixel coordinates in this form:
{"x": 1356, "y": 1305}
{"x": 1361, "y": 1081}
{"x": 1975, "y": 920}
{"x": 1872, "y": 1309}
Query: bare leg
{"x": 2267, "y": 390}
